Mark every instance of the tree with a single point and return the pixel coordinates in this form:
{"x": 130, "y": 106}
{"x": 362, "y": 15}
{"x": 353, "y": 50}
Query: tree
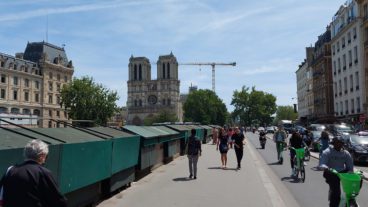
{"x": 86, "y": 100}
{"x": 206, "y": 107}
{"x": 163, "y": 116}
{"x": 253, "y": 107}
{"x": 285, "y": 113}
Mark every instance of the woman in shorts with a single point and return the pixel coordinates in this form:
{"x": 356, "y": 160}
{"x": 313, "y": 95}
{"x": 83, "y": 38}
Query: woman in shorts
{"x": 223, "y": 146}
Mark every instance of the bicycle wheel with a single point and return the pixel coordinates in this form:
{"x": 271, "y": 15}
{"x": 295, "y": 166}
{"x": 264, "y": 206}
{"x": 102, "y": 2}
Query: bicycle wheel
{"x": 307, "y": 155}
{"x": 302, "y": 172}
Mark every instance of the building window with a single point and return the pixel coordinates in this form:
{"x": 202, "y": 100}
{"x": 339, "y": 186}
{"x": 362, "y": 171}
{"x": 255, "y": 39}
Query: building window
{"x": 163, "y": 70}
{"x": 50, "y": 113}
{"x": 168, "y": 70}
{"x": 15, "y": 67}
{"x": 58, "y": 113}
{"x": 2, "y": 94}
{"x": 343, "y": 42}
{"x": 135, "y": 103}
{"x": 15, "y": 95}
{"x": 65, "y": 79}
{"x": 37, "y": 84}
{"x": 26, "y": 96}
{"x": 168, "y": 102}
{"x": 3, "y": 78}
{"x": 333, "y": 49}
{"x": 2, "y": 64}
{"x": 352, "y": 106}
{"x": 163, "y": 101}
{"x": 349, "y": 37}
{"x": 339, "y": 65}
{"x": 58, "y": 87}
{"x": 354, "y": 33}
{"x": 345, "y": 85}
{"x": 351, "y": 83}
{"x": 15, "y": 80}
{"x": 135, "y": 72}
{"x": 338, "y": 46}
{"x": 50, "y": 99}
{"x": 356, "y": 54}
{"x": 357, "y": 80}
{"x": 358, "y": 105}
{"x": 341, "y": 108}
{"x": 50, "y": 75}
{"x": 58, "y": 77}
{"x": 346, "y": 107}
{"x": 26, "y": 82}
{"x": 350, "y": 59}
{"x": 37, "y": 99}
{"x": 58, "y": 99}
{"x": 340, "y": 88}
{"x": 50, "y": 86}
{"x": 140, "y": 72}
{"x": 334, "y": 67}
{"x": 140, "y": 102}
{"x": 344, "y": 62}
{"x": 50, "y": 124}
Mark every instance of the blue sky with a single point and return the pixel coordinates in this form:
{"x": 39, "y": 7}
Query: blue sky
{"x": 266, "y": 38}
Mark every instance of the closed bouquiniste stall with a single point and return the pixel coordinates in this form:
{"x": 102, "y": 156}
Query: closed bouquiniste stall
{"x": 150, "y": 150}
{"x": 124, "y": 159}
{"x": 184, "y": 132}
{"x": 171, "y": 142}
{"x": 85, "y": 160}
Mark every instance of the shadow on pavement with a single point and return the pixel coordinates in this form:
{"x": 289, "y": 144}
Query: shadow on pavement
{"x": 290, "y": 179}
{"x": 182, "y": 179}
{"x": 315, "y": 168}
{"x": 274, "y": 163}
{"x": 220, "y": 168}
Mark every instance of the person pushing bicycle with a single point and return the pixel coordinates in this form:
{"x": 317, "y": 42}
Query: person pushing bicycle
{"x": 279, "y": 137}
{"x": 296, "y": 142}
{"x": 339, "y": 159}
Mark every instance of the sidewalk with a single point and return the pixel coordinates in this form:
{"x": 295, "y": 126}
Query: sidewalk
{"x": 168, "y": 186}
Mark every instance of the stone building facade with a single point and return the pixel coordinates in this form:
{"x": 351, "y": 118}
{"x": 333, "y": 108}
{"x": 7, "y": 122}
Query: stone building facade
{"x": 31, "y": 83}
{"x": 347, "y": 57}
{"x": 322, "y": 78}
{"x": 147, "y": 97}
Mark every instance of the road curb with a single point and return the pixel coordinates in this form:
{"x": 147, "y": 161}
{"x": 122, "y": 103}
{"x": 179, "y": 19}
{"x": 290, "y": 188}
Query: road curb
{"x": 316, "y": 156}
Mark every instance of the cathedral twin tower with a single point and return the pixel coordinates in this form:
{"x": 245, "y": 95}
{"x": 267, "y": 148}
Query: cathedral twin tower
{"x": 147, "y": 97}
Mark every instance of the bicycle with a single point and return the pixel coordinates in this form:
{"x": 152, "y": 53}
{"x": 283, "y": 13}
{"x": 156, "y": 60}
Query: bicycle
{"x": 351, "y": 184}
{"x": 299, "y": 163}
{"x": 307, "y": 154}
{"x": 280, "y": 148}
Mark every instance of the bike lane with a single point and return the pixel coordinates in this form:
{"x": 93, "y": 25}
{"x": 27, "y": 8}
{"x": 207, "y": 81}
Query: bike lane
{"x": 314, "y": 192}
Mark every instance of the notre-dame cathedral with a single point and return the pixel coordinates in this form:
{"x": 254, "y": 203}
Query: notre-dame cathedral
{"x": 147, "y": 97}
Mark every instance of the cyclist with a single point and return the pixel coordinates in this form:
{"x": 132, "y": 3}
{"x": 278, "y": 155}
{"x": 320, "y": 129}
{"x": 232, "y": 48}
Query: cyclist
{"x": 296, "y": 142}
{"x": 335, "y": 157}
{"x": 279, "y": 137}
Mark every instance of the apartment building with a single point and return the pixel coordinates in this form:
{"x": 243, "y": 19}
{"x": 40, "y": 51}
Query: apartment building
{"x": 347, "y": 58}
{"x": 31, "y": 82}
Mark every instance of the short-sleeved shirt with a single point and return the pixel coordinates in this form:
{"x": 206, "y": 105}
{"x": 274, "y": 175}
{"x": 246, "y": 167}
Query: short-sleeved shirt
{"x": 238, "y": 139}
{"x": 338, "y": 160}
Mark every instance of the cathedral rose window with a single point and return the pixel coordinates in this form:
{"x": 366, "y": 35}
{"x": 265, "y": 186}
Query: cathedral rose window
{"x": 152, "y": 99}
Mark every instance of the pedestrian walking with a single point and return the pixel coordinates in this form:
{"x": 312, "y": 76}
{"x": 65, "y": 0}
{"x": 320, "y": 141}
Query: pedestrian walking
{"x": 30, "y": 184}
{"x": 230, "y": 133}
{"x": 223, "y": 146}
{"x": 324, "y": 141}
{"x": 194, "y": 150}
{"x": 215, "y": 133}
{"x": 238, "y": 140}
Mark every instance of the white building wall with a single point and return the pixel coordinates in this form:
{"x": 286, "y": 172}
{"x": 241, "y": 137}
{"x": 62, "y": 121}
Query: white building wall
{"x": 347, "y": 61}
{"x": 301, "y": 78}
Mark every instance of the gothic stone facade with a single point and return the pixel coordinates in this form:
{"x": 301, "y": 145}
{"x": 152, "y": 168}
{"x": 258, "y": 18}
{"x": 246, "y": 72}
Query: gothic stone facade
{"x": 31, "y": 83}
{"x": 147, "y": 97}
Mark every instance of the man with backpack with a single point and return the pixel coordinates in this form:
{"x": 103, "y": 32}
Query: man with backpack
{"x": 194, "y": 150}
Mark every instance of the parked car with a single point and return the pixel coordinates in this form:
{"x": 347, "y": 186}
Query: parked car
{"x": 317, "y": 127}
{"x": 340, "y": 129}
{"x": 261, "y": 129}
{"x": 270, "y": 130}
{"x": 357, "y": 145}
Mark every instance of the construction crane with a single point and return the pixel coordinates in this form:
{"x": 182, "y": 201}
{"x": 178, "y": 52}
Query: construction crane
{"x": 213, "y": 69}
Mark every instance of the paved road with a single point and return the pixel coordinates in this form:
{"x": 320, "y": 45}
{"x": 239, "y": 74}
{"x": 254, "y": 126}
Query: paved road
{"x": 255, "y": 185}
{"x": 314, "y": 192}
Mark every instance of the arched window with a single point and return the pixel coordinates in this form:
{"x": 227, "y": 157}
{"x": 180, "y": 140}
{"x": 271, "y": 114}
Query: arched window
{"x": 36, "y": 112}
{"x": 135, "y": 72}
{"x": 26, "y": 111}
{"x": 14, "y": 111}
{"x": 163, "y": 70}
{"x": 140, "y": 72}
{"x": 168, "y": 70}
{"x": 3, "y": 110}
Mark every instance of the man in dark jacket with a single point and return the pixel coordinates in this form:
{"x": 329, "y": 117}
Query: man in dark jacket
{"x": 29, "y": 184}
{"x": 194, "y": 150}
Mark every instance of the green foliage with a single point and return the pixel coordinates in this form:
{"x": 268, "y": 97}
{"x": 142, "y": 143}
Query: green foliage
{"x": 86, "y": 100}
{"x": 163, "y": 116}
{"x": 253, "y": 107}
{"x": 285, "y": 113}
{"x": 206, "y": 107}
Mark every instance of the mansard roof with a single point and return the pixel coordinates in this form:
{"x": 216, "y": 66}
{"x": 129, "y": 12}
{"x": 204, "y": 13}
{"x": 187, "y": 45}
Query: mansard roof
{"x": 54, "y": 54}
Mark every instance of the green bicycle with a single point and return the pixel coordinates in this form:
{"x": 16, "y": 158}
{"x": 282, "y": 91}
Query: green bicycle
{"x": 299, "y": 163}
{"x": 280, "y": 148}
{"x": 351, "y": 184}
